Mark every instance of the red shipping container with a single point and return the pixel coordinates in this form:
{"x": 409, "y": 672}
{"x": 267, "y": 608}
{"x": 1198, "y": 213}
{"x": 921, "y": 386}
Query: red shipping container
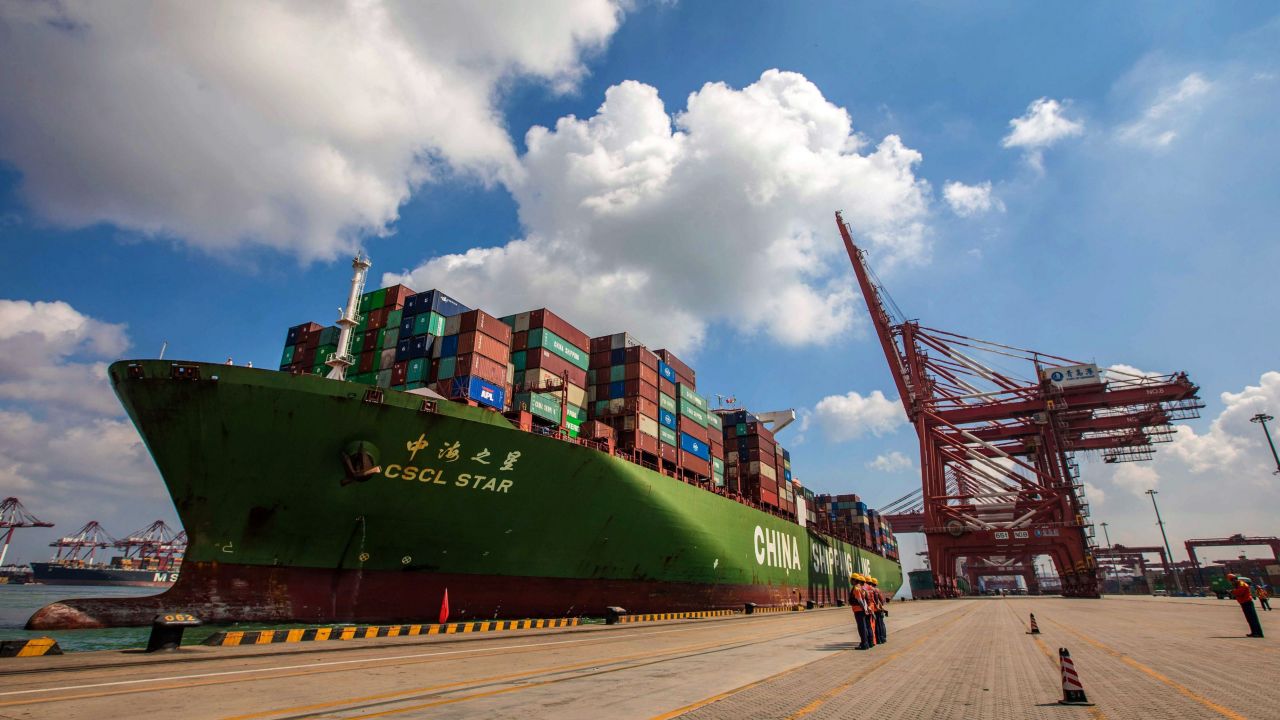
{"x": 396, "y": 295}
{"x": 400, "y": 373}
{"x": 378, "y": 318}
{"x": 754, "y": 442}
{"x": 668, "y": 388}
{"x": 768, "y": 497}
{"x": 368, "y": 361}
{"x": 636, "y": 440}
{"x": 482, "y": 322}
{"x": 758, "y": 428}
{"x": 600, "y": 359}
{"x": 695, "y": 464}
{"x": 644, "y": 356}
{"x": 756, "y": 455}
{"x": 646, "y": 375}
{"x": 544, "y": 318}
{"x": 482, "y": 344}
{"x": 519, "y": 341}
{"x": 370, "y": 340}
{"x": 668, "y": 452}
{"x": 597, "y": 429}
{"x": 482, "y": 367}
{"x": 599, "y": 345}
{"x": 306, "y": 357}
{"x": 692, "y": 429}
{"x": 635, "y": 388}
{"x": 306, "y": 330}
{"x": 544, "y": 359}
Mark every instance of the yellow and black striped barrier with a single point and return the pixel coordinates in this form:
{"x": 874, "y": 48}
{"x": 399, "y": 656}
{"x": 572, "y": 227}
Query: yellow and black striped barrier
{"x": 353, "y": 632}
{"x": 35, "y": 647}
{"x": 673, "y": 616}
{"x": 779, "y": 608}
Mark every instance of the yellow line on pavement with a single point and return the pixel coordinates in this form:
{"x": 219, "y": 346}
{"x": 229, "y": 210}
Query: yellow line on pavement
{"x": 1223, "y": 711}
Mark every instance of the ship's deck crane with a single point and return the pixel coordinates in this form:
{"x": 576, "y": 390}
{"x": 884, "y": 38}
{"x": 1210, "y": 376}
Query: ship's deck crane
{"x": 12, "y": 517}
{"x": 997, "y": 445}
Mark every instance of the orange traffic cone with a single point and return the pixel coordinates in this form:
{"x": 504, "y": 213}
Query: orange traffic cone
{"x": 444, "y": 608}
{"x": 1072, "y": 690}
{"x": 1035, "y": 629}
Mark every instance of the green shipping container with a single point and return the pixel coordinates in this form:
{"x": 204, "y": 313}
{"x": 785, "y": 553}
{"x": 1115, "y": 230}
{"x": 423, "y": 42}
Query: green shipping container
{"x": 693, "y": 413}
{"x": 667, "y": 435}
{"x": 287, "y": 357}
{"x": 666, "y": 402}
{"x": 428, "y": 324}
{"x": 518, "y": 359}
{"x": 717, "y": 466}
{"x": 602, "y": 408}
{"x": 357, "y": 343}
{"x": 714, "y": 421}
{"x": 324, "y": 351}
{"x": 740, "y": 429}
{"x": 382, "y": 339}
{"x": 371, "y": 301}
{"x": 617, "y": 373}
{"x": 576, "y": 414}
{"x": 394, "y": 317}
{"x": 329, "y": 336}
{"x": 446, "y": 367}
{"x": 320, "y": 369}
{"x": 544, "y": 338}
{"x": 543, "y": 405}
{"x": 689, "y": 396}
{"x": 417, "y": 370}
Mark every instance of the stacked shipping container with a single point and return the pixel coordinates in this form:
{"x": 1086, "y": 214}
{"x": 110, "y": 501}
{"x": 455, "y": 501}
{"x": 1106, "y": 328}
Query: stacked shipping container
{"x": 608, "y": 388}
{"x": 470, "y": 361}
{"x": 548, "y": 352}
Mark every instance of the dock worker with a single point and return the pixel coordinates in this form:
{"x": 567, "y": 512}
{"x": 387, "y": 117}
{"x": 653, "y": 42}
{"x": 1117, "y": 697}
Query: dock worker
{"x": 1264, "y": 597}
{"x": 873, "y": 606}
{"x": 882, "y": 631}
{"x": 1242, "y": 593}
{"x": 858, "y": 602}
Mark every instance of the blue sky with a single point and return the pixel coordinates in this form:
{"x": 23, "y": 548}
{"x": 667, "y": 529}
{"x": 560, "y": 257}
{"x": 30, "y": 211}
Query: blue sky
{"x": 177, "y": 195}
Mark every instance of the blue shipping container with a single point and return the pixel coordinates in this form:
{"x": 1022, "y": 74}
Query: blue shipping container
{"x": 668, "y": 418}
{"x": 406, "y": 325}
{"x": 617, "y": 389}
{"x": 448, "y": 346}
{"x": 436, "y": 301}
{"x": 618, "y": 356}
{"x": 666, "y": 372}
{"x": 410, "y": 307}
{"x": 402, "y": 350}
{"x": 485, "y": 393}
{"x": 694, "y": 446}
{"x": 419, "y": 346}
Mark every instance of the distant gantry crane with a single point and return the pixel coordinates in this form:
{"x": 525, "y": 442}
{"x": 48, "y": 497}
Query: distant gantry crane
{"x": 12, "y": 517}
{"x": 81, "y": 548}
{"x": 999, "y": 479}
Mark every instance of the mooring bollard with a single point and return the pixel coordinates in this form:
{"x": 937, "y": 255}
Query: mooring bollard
{"x": 809, "y": 605}
{"x": 750, "y": 608}
{"x": 612, "y": 614}
{"x": 166, "y": 631}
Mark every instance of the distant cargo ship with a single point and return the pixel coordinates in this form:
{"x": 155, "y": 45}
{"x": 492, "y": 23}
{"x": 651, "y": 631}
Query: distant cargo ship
{"x": 607, "y": 481}
{"x": 102, "y": 574}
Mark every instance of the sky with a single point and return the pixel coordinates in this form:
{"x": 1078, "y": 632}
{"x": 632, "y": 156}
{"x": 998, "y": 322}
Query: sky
{"x": 1096, "y": 181}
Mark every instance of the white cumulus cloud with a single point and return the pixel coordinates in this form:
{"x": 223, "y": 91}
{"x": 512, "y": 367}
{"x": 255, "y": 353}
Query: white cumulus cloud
{"x": 635, "y": 220}
{"x": 891, "y": 462}
{"x": 1135, "y": 478}
{"x": 57, "y": 356}
{"x": 301, "y": 126}
{"x": 852, "y": 415}
{"x": 1173, "y": 108}
{"x": 1043, "y": 124}
{"x": 969, "y": 200}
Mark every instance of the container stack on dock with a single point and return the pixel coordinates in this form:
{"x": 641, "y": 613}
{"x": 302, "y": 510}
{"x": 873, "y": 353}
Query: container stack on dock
{"x": 470, "y": 360}
{"x": 549, "y": 362}
{"x": 685, "y": 442}
{"x": 751, "y": 459}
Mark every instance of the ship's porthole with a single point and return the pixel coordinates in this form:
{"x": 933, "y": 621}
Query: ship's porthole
{"x": 406, "y": 560}
{"x": 364, "y": 557}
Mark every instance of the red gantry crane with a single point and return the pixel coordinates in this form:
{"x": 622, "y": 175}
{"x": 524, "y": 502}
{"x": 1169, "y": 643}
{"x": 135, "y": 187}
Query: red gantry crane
{"x": 12, "y": 517}
{"x": 1234, "y": 540}
{"x": 80, "y": 548}
{"x": 997, "y": 448}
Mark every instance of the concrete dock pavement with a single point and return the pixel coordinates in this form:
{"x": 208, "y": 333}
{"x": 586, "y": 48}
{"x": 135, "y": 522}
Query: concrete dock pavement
{"x": 1137, "y": 657}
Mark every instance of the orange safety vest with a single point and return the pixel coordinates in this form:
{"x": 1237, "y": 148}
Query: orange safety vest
{"x": 1241, "y": 593}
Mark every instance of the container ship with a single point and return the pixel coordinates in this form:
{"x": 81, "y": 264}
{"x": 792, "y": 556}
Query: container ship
{"x": 422, "y": 455}
{"x": 150, "y": 557}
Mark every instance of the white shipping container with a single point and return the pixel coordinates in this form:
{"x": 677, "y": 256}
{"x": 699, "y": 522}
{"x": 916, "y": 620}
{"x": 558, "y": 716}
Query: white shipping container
{"x": 645, "y": 425}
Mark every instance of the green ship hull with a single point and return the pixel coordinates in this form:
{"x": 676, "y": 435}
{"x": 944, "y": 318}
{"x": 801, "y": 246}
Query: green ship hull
{"x": 285, "y": 523}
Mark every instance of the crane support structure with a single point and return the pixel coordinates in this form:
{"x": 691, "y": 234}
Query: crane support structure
{"x": 1000, "y": 428}
{"x": 1234, "y": 540}
{"x": 12, "y": 517}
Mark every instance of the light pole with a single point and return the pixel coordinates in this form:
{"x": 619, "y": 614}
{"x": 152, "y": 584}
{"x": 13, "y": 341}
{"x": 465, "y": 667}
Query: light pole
{"x": 1262, "y": 419}
{"x": 1107, "y": 535}
{"x": 1176, "y": 583}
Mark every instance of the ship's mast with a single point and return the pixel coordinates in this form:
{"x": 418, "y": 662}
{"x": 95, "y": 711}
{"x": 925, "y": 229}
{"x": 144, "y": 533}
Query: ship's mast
{"x": 339, "y": 361}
